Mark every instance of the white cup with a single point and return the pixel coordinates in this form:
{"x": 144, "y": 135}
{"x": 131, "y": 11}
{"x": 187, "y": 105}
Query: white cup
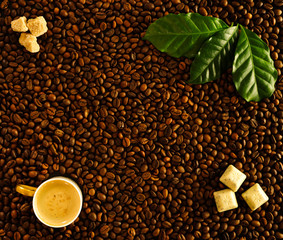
{"x": 35, "y": 192}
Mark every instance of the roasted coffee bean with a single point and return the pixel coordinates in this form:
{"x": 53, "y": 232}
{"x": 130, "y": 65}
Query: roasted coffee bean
{"x": 102, "y": 106}
{"x": 4, "y": 4}
{"x": 105, "y": 229}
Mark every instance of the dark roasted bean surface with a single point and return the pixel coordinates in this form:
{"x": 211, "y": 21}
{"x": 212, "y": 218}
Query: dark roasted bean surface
{"x": 104, "y": 107}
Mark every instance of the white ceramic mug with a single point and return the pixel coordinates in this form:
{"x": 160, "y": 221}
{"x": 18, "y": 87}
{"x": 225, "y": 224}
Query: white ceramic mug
{"x": 57, "y": 202}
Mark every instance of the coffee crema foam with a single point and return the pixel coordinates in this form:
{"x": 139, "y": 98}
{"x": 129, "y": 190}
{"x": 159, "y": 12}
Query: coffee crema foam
{"x": 57, "y": 202}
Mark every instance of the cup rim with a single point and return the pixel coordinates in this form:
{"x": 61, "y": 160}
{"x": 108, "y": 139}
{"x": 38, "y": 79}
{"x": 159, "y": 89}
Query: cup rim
{"x": 74, "y": 184}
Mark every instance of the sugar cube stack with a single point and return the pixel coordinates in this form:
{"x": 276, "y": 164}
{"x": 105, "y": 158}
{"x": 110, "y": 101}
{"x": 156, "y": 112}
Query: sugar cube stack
{"x": 226, "y": 199}
{"x": 36, "y": 26}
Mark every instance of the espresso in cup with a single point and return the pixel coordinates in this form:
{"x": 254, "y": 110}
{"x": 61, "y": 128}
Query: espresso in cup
{"x": 57, "y": 202}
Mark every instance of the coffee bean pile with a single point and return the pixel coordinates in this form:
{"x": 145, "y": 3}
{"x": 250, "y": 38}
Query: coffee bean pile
{"x": 105, "y": 108}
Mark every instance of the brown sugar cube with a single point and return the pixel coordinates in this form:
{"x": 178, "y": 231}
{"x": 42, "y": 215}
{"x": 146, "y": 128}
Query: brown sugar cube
{"x": 19, "y": 25}
{"x": 32, "y": 47}
{"x": 26, "y": 37}
{"x": 37, "y": 26}
{"x": 29, "y": 42}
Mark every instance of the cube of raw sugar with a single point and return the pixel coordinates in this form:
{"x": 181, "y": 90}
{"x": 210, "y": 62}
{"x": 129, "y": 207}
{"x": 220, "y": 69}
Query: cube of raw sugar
{"x": 37, "y": 26}
{"x": 255, "y": 196}
{"x": 26, "y": 37}
{"x": 29, "y": 42}
{"x": 32, "y": 47}
{"x": 19, "y": 25}
{"x": 225, "y": 200}
{"x": 233, "y": 178}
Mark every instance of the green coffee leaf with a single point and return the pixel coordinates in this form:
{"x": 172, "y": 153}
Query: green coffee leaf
{"x": 182, "y": 34}
{"x": 212, "y": 43}
{"x": 215, "y": 56}
{"x": 254, "y": 74}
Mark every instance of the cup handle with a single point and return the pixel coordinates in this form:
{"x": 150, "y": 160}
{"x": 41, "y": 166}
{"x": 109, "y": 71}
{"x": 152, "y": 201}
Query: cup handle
{"x": 25, "y": 190}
